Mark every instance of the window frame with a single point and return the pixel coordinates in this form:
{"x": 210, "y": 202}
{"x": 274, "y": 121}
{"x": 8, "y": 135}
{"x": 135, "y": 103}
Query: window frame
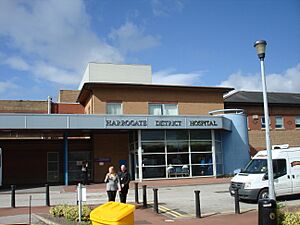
{"x": 162, "y": 108}
{"x": 263, "y": 124}
{"x": 297, "y": 125}
{"x": 114, "y": 103}
{"x": 282, "y": 122}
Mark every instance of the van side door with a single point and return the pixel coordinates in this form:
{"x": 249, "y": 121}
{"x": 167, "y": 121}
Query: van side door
{"x": 295, "y": 171}
{"x": 282, "y": 178}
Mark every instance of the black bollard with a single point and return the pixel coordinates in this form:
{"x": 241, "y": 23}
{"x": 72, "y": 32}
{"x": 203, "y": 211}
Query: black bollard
{"x": 267, "y": 212}
{"x": 237, "y": 201}
{"x": 145, "y": 196}
{"x": 155, "y": 200}
{"x": 197, "y": 202}
{"x": 47, "y": 195}
{"x": 136, "y": 192}
{"x": 13, "y": 196}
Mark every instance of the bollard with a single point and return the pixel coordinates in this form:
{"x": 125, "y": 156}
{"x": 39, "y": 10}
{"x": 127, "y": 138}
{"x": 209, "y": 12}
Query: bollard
{"x": 197, "y": 202}
{"x": 13, "y": 196}
{"x": 79, "y": 202}
{"x": 47, "y": 195}
{"x": 136, "y": 192}
{"x": 145, "y": 196}
{"x": 237, "y": 201}
{"x": 29, "y": 212}
{"x": 155, "y": 200}
{"x": 267, "y": 212}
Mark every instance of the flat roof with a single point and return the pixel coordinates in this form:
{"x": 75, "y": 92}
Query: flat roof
{"x": 253, "y": 97}
{"x": 87, "y": 87}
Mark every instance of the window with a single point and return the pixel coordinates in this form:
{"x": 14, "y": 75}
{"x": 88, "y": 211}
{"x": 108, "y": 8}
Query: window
{"x": 297, "y": 121}
{"x": 163, "y": 109}
{"x": 114, "y": 108}
{"x": 279, "y": 122}
{"x": 279, "y": 167}
{"x": 52, "y": 167}
{"x": 263, "y": 123}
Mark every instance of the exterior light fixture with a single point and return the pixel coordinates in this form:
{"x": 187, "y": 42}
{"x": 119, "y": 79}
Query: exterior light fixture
{"x": 261, "y": 52}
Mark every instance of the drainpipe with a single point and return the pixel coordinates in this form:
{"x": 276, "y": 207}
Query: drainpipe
{"x": 49, "y": 100}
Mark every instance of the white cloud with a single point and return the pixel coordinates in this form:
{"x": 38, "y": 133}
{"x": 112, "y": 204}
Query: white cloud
{"x": 16, "y": 63}
{"x": 170, "y": 76}
{"x": 54, "y": 32}
{"x": 7, "y": 86}
{"x": 288, "y": 81}
{"x": 55, "y": 74}
{"x": 166, "y": 7}
{"x": 131, "y": 38}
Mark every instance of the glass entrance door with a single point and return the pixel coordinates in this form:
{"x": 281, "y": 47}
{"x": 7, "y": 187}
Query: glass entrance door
{"x": 52, "y": 167}
{"x": 76, "y": 159}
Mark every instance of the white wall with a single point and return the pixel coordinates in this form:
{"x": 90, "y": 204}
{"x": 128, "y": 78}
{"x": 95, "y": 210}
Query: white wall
{"x": 117, "y": 73}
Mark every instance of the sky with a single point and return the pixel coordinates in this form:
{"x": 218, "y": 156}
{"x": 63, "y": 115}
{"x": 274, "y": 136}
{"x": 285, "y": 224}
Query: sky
{"x": 45, "y": 45}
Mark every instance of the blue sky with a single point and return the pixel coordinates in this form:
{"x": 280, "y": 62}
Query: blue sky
{"x": 46, "y": 45}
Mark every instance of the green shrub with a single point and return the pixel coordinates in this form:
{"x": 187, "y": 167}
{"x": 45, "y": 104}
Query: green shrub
{"x": 291, "y": 218}
{"x": 70, "y": 212}
{"x": 58, "y": 211}
{"x": 286, "y": 217}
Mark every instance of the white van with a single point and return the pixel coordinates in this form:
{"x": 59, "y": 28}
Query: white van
{"x": 253, "y": 180}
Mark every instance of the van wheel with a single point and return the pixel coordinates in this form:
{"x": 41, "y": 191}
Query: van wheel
{"x": 263, "y": 194}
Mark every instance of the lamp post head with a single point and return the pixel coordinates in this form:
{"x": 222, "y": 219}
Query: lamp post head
{"x": 260, "y": 48}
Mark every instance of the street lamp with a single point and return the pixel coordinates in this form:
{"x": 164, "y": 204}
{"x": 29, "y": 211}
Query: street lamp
{"x": 261, "y": 49}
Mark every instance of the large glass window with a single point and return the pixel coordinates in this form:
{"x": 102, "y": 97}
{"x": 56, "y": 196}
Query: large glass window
{"x": 278, "y": 122}
{"x": 201, "y": 146}
{"x": 113, "y": 108}
{"x": 151, "y": 160}
{"x": 200, "y": 135}
{"x": 154, "y": 172}
{"x": 163, "y": 109}
{"x": 174, "y": 135}
{"x": 177, "y": 153}
{"x": 153, "y": 135}
{"x": 202, "y": 170}
{"x": 177, "y": 146}
{"x": 153, "y": 147}
{"x": 178, "y": 159}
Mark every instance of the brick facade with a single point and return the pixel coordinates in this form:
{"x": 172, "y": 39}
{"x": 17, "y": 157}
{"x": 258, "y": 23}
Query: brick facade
{"x": 23, "y": 106}
{"x": 286, "y": 135}
{"x": 68, "y": 96}
{"x": 135, "y": 99}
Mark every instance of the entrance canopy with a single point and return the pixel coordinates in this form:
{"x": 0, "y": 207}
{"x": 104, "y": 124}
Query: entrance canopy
{"x": 71, "y": 122}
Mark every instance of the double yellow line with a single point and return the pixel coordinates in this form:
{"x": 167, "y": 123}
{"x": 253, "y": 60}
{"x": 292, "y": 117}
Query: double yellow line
{"x": 171, "y": 212}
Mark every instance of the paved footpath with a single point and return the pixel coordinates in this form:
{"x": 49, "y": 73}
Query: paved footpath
{"x": 142, "y": 216}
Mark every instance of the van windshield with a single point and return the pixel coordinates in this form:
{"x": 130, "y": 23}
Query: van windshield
{"x": 256, "y": 166}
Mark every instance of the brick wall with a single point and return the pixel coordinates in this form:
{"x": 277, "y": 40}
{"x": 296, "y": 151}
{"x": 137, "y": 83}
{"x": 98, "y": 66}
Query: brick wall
{"x": 287, "y": 135}
{"x": 257, "y": 138}
{"x": 135, "y": 100}
{"x": 109, "y": 145}
{"x": 69, "y": 96}
{"x": 20, "y": 106}
{"x": 67, "y": 108}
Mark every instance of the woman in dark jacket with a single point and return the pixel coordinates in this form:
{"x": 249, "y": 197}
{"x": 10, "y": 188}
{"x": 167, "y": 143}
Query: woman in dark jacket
{"x": 124, "y": 180}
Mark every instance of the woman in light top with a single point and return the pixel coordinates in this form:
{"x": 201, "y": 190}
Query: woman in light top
{"x": 112, "y": 184}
